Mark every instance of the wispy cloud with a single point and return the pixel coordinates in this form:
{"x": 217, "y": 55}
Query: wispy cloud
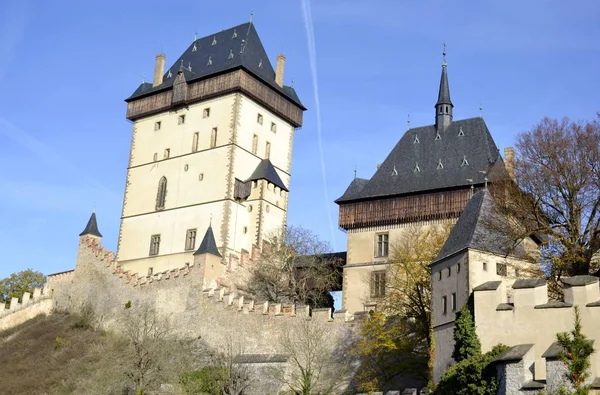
{"x": 312, "y": 55}
{"x": 49, "y": 157}
{"x": 13, "y": 23}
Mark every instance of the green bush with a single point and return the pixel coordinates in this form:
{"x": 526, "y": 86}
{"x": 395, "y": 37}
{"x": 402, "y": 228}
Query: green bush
{"x": 472, "y": 376}
{"x": 128, "y": 304}
{"x": 208, "y": 380}
{"x": 60, "y": 342}
{"x": 85, "y": 318}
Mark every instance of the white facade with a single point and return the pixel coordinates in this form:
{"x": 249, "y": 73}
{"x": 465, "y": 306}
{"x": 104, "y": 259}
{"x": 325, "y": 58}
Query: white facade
{"x": 201, "y": 150}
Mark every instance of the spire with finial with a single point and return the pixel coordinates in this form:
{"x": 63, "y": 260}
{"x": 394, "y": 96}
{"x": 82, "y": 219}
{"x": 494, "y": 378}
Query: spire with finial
{"x": 355, "y": 172}
{"x": 480, "y": 110}
{"x": 92, "y": 227}
{"x": 444, "y": 106}
{"x": 407, "y": 121}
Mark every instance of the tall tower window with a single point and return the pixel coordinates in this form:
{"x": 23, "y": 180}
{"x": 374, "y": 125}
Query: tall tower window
{"x": 195, "y": 142}
{"x": 213, "y": 138}
{"x": 157, "y": 125}
{"x": 181, "y": 120}
{"x": 190, "y": 239}
{"x": 273, "y": 127}
{"x": 259, "y": 119}
{"x": 161, "y": 193}
{"x": 206, "y": 112}
{"x": 254, "y": 144}
{"x": 167, "y": 153}
{"x": 445, "y": 304}
{"x": 154, "y": 244}
{"x": 382, "y": 246}
{"x": 267, "y": 150}
{"x": 378, "y": 284}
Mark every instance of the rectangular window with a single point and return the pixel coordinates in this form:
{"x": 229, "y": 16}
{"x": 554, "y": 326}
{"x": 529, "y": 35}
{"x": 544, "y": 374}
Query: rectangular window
{"x": 449, "y": 272}
{"x": 501, "y": 269}
{"x": 195, "y": 142}
{"x": 167, "y": 153}
{"x": 378, "y": 284}
{"x": 458, "y": 267}
{"x": 440, "y": 275}
{"x": 485, "y": 266}
{"x": 267, "y": 150}
{"x": 382, "y": 245}
{"x": 453, "y": 301}
{"x": 445, "y": 304}
{"x": 154, "y": 244}
{"x": 273, "y": 127}
{"x": 150, "y": 271}
{"x": 181, "y": 120}
{"x": 206, "y": 112}
{"x": 190, "y": 239}
{"x": 213, "y": 138}
{"x": 157, "y": 125}
{"x": 259, "y": 119}
{"x": 254, "y": 144}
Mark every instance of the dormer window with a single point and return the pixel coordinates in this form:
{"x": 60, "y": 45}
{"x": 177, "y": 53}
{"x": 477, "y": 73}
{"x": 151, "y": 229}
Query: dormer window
{"x": 214, "y": 41}
{"x": 394, "y": 172}
{"x": 209, "y": 63}
{"x": 195, "y": 48}
{"x": 234, "y": 34}
{"x": 437, "y": 136}
{"x": 460, "y": 132}
{"x": 440, "y": 165}
{"x": 417, "y": 168}
{"x": 230, "y": 54}
{"x": 464, "y": 161}
{"x": 416, "y": 140}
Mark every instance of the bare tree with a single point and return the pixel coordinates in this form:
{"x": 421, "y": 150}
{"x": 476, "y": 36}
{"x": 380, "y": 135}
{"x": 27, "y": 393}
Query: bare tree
{"x": 557, "y": 193}
{"x": 315, "y": 366}
{"x": 295, "y": 266}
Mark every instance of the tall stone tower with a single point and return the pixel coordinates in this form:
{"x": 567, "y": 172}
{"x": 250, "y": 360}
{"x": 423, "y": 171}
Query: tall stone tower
{"x": 210, "y": 156}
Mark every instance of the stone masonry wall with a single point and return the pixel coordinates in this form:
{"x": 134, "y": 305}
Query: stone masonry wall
{"x": 211, "y": 314}
{"x": 29, "y": 307}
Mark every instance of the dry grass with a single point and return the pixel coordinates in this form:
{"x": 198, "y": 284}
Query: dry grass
{"x": 48, "y": 355}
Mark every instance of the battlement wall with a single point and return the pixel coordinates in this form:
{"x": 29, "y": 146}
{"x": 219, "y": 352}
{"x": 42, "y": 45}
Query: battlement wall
{"x": 531, "y": 317}
{"x": 30, "y": 306}
{"x": 180, "y": 296}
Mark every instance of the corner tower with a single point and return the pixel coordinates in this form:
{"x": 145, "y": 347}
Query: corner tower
{"x": 444, "y": 106}
{"x": 212, "y": 138}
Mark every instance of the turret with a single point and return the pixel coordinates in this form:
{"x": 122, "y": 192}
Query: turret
{"x": 208, "y": 259}
{"x": 443, "y": 107}
{"x": 91, "y": 229}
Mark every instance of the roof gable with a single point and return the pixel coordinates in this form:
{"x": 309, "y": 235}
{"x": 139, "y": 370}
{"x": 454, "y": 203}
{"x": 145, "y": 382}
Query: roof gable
{"x": 425, "y": 159}
{"x": 478, "y": 227}
{"x": 266, "y": 171}
{"x": 239, "y": 46}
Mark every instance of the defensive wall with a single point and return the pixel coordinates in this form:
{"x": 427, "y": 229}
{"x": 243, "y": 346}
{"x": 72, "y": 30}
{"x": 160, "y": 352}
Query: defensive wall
{"x": 17, "y": 312}
{"x": 528, "y": 321}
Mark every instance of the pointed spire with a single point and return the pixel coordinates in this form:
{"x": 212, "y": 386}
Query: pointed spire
{"x": 208, "y": 245}
{"x": 92, "y": 227}
{"x": 444, "y": 93}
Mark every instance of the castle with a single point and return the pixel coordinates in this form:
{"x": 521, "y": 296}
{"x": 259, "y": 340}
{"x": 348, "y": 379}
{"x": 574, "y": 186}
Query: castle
{"x": 208, "y": 180}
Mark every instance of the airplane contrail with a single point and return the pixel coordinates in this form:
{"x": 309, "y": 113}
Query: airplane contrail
{"x": 312, "y": 55}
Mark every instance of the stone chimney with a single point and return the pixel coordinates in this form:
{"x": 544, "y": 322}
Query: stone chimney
{"x": 159, "y": 69}
{"x": 509, "y": 158}
{"x": 279, "y": 69}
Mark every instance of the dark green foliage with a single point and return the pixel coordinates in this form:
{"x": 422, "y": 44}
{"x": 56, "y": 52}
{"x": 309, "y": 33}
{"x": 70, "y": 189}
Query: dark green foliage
{"x": 208, "y": 380}
{"x": 475, "y": 375}
{"x": 128, "y": 304}
{"x": 19, "y": 283}
{"x": 576, "y": 356}
{"x": 466, "y": 342}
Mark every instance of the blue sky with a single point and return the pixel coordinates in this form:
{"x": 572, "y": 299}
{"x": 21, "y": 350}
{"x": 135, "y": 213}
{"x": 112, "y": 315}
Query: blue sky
{"x": 67, "y": 66}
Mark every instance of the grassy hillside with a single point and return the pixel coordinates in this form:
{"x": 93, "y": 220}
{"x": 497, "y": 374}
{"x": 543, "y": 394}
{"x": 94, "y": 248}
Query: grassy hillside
{"x": 48, "y": 355}
{"x": 62, "y": 354}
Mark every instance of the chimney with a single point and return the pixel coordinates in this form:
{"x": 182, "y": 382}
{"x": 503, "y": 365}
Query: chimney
{"x": 159, "y": 69}
{"x": 509, "y": 158}
{"x": 279, "y": 69}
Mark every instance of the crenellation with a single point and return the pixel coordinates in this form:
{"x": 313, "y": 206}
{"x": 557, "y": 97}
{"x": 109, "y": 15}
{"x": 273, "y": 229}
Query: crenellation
{"x": 26, "y": 298}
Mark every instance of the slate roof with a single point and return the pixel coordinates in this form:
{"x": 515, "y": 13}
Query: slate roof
{"x": 92, "y": 227}
{"x": 266, "y": 171}
{"x": 475, "y": 229}
{"x": 515, "y": 353}
{"x": 208, "y": 245}
{"x": 421, "y": 161}
{"x": 227, "y": 50}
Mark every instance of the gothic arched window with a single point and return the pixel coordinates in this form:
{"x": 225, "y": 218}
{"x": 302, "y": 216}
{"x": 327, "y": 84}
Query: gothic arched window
{"x": 161, "y": 194}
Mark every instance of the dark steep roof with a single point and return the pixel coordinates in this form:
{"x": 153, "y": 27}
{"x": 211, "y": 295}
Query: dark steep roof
{"x": 478, "y": 227}
{"x": 92, "y": 227}
{"x": 266, "y": 171}
{"x": 467, "y": 139}
{"x": 356, "y": 186}
{"x": 208, "y": 245}
{"x": 237, "y": 47}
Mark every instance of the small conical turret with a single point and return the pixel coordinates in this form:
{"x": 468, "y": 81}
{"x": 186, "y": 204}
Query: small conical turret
{"x": 92, "y": 227}
{"x": 208, "y": 245}
{"x": 444, "y": 106}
